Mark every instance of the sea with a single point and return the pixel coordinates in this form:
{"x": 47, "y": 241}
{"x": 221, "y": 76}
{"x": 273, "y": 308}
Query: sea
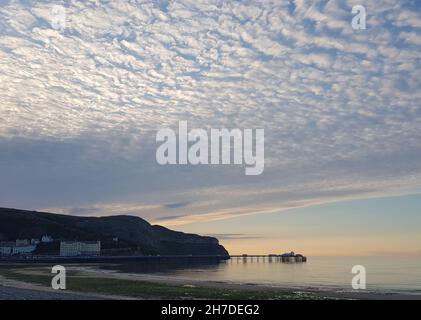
{"x": 382, "y": 274}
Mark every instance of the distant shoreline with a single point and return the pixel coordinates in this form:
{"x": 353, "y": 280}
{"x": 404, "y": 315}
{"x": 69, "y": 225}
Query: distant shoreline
{"x": 113, "y": 259}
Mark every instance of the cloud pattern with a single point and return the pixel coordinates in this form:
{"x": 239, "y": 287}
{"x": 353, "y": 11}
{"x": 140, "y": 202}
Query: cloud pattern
{"x": 81, "y": 106}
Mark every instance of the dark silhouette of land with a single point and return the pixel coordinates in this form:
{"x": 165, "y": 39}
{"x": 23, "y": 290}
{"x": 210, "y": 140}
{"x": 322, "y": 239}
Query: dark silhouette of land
{"x": 119, "y": 235}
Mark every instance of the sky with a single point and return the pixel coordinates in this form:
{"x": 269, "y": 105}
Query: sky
{"x": 362, "y": 227}
{"x": 82, "y": 101}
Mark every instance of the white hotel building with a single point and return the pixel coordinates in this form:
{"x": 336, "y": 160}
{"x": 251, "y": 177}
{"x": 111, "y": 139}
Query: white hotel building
{"x": 80, "y": 248}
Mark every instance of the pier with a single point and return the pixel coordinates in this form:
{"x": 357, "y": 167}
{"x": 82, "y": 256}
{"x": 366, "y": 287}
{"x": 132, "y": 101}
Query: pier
{"x": 286, "y": 257}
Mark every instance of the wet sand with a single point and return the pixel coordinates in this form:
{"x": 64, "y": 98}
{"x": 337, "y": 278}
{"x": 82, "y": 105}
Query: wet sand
{"x": 19, "y": 290}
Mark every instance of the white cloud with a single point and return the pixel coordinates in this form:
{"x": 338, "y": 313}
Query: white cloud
{"x": 323, "y": 92}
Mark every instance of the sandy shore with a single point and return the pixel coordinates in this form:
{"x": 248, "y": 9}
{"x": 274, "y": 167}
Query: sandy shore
{"x": 12, "y": 293}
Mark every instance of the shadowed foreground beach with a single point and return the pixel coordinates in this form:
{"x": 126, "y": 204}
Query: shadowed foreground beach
{"x": 10, "y": 293}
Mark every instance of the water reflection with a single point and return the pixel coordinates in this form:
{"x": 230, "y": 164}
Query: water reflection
{"x": 383, "y": 273}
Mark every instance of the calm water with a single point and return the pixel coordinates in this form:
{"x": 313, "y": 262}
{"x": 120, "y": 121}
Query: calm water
{"x": 383, "y": 274}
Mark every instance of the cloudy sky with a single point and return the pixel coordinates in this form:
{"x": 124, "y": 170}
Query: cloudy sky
{"x": 85, "y": 88}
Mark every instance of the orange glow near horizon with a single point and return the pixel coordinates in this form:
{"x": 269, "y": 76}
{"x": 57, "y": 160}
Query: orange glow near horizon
{"x": 322, "y": 247}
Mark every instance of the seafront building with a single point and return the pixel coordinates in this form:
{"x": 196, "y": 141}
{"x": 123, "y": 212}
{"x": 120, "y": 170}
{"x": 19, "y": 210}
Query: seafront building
{"x": 20, "y": 246}
{"x": 46, "y": 239}
{"x": 22, "y": 242}
{"x": 80, "y": 248}
{"x": 67, "y": 248}
{"x": 5, "y": 251}
{"x": 292, "y": 257}
{"x": 24, "y": 249}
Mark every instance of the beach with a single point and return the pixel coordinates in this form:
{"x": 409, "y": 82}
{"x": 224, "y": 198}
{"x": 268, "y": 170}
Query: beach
{"x": 12, "y": 293}
{"x": 33, "y": 282}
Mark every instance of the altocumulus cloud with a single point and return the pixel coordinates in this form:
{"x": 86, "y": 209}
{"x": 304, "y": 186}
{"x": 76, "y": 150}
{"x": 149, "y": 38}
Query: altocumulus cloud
{"x": 81, "y": 106}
